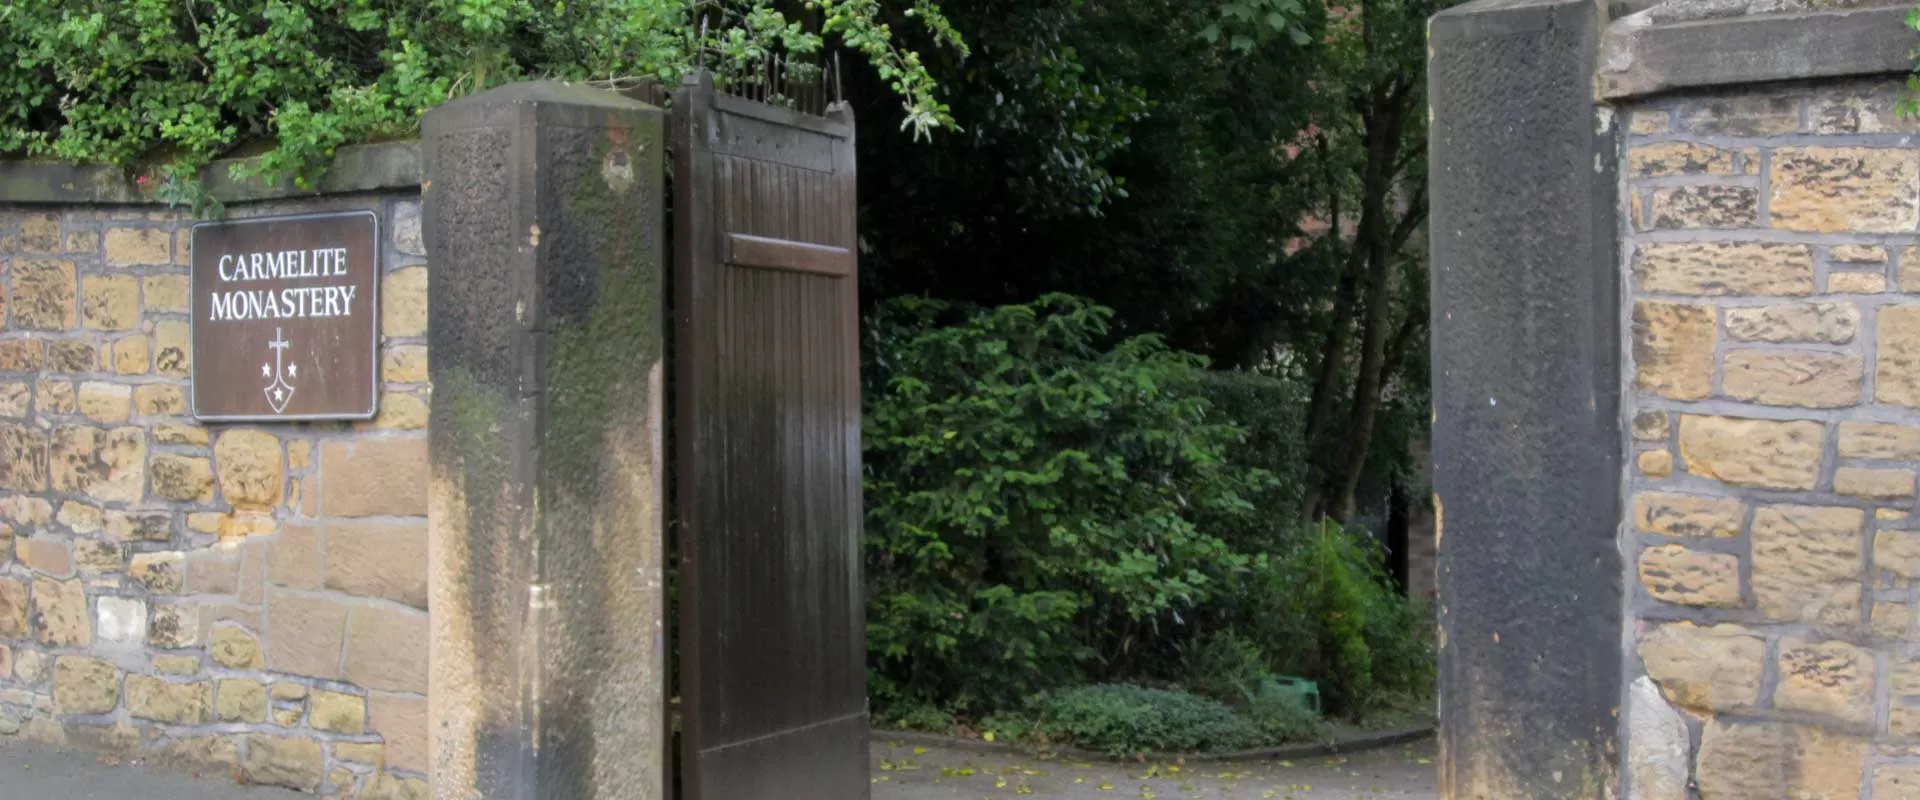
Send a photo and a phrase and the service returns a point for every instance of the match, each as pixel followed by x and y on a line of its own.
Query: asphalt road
pixel 900 772
pixel 903 772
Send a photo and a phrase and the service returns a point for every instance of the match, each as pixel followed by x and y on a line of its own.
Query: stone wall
pixel 1773 435
pixel 249 599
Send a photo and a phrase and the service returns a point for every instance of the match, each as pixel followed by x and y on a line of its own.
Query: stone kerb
pixel 242 598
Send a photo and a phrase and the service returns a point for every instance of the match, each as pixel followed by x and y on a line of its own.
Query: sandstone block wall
pixel 250 599
pixel 1773 425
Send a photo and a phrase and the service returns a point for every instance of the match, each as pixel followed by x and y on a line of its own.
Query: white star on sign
pixel 266 371
pixel 293 370
pixel 277 394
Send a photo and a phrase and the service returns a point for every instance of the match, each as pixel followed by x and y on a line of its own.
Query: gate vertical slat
pixel 767 452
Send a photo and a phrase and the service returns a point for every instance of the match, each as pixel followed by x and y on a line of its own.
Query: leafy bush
pixel 1226 667
pixel 186 81
pixel 1270 412
pixel 1032 491
pixel 1331 613
pixel 1122 719
pixel 1281 718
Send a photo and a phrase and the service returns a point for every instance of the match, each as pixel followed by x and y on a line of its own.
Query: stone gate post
pixel 543 210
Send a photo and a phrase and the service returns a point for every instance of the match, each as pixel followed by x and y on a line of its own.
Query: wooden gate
pixel 767 451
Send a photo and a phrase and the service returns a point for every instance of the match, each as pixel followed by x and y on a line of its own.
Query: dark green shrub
pixel 1281 718
pixel 1270 413
pixel 1226 667
pixel 1032 489
pixel 1329 612
pixel 1122 719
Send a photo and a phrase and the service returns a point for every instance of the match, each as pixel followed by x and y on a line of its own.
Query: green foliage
pixel 1122 719
pixel 180 82
pixel 1269 411
pixel 1332 614
pixel 1226 667
pixel 1280 716
pixel 1032 490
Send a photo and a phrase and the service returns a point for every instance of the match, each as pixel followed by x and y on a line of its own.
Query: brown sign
pixel 286 318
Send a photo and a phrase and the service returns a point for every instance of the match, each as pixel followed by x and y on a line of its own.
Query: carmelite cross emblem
pixel 279 392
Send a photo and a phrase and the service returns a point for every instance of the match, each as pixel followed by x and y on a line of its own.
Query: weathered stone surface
pixel 44 296
pixel 378 560
pixel 30 666
pixel 1643 123
pixel 23 459
pixel 335 712
pixel 1756 114
pixel 233 647
pixel 1811 380
pixel 54 396
pixel 250 468
pixel 289 692
pixel 1724 268
pixel 404 364
pixel 1897 367
pixel 109 466
pixel 1806 563
pixel 16 399
pixel 121 620
pixel 84 685
pixel 402 722
pixel 241 701
pixel 160 573
pixel 138 247
pixel 403 303
pixel 1673 349
pixel 383 786
pixel 374 477
pixel 285 761
pixel 94 556
pixel 110 302
pixel 68 355
pixel 1743 760
pixel 80 517
pixel 1658 745
pixel 174 627
pixel 1879 440
pixel 46 556
pixel 106 402
pixel 1675 574
pixel 1856 283
pixel 1896 780
pixel 59 617
pixel 1818 323
pixel 306 635
pixel 293 558
pixel 176 665
pixel 1752 452
pixel 22 355
pixel 1845 189
pixel 357 752
pixel 1832 679
pixel 1706 669
pixel 1873 483
pixel 1859 107
pixel 1857 254
pixel 213 754
pixel 387 650
pixel 1654 463
pixel 1897 552
pixel 400 411
pixel 1668 159
pixel 1888 621
pixel 184 479
pixel 40 233
pixel 139 526
pixel 1651 426
pixel 163 701
pixel 407 237
pixel 168 293
pixel 173 349
pixel 174 433
pixel 160 399
pixel 13 608
pixel 1705 207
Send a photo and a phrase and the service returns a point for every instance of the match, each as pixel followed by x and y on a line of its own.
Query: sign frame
pixel 193 320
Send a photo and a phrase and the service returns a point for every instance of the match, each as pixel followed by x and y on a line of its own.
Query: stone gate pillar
pixel 543 214
pixel 1676 298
